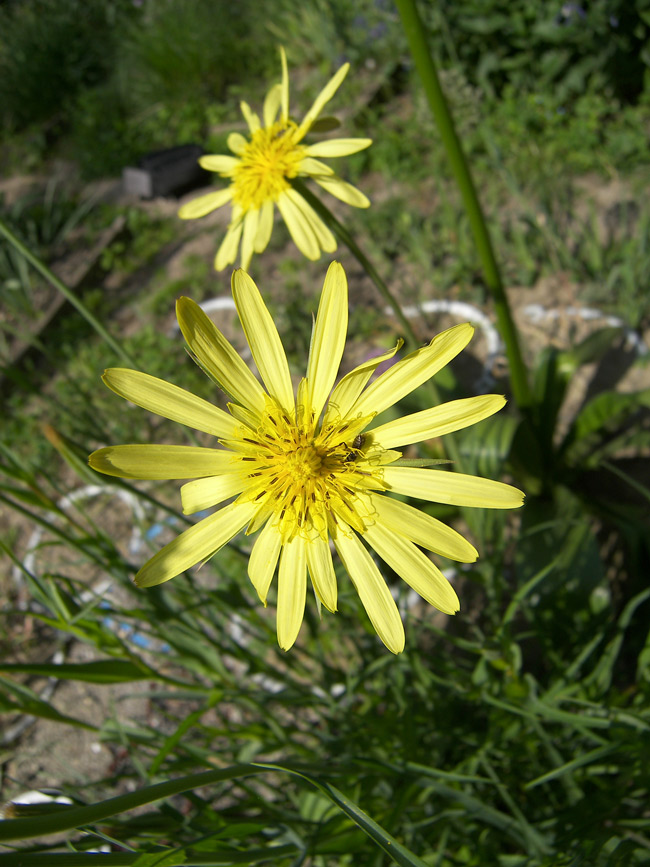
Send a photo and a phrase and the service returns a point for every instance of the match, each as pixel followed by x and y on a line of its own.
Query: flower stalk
pixel 425 66
pixel 348 239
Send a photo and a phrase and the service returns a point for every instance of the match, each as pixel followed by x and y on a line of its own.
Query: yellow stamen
pixel 300 476
pixel 267 162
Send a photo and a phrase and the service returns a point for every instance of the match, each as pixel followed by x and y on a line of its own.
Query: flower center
pixel 304 477
pixel 265 164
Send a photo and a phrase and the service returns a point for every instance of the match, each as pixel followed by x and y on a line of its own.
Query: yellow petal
pixel 205 493
pixel 218 163
pixel 321 100
pixel 169 401
pixel 205 204
pixel 437 421
pixel 343 191
pixel 227 252
pixel 264 227
pixel 263 339
pixel 285 86
pixel 292 588
pixel 217 356
pixel 371 587
pixel 414 567
pixel 272 104
pixel 328 338
pixel 299 228
pixel 321 571
pixel 236 142
pixel 423 529
pixel 250 419
pixel 405 376
pixel 250 117
pixel 264 559
pixel 454 489
pixel 248 237
pixel 160 462
pixel 324 238
pixel 195 544
pixel 338 147
pixel 352 384
pixel 311 167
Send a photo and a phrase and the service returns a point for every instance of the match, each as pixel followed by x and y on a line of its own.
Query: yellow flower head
pixel 260 176
pixel 308 467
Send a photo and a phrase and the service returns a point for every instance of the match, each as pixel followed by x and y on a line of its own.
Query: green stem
pixel 67 293
pixel 416 37
pixel 343 235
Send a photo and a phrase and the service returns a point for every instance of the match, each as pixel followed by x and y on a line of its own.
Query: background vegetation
pixel 517 733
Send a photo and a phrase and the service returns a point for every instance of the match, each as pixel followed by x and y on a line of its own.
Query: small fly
pixel 357 443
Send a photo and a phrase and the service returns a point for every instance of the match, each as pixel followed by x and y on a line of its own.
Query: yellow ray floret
pixel 303 469
pixel 262 169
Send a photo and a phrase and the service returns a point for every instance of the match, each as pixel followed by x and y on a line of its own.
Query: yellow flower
pixel 306 468
pixel 260 176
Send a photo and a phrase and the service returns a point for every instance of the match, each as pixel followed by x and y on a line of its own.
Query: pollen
pixel 266 164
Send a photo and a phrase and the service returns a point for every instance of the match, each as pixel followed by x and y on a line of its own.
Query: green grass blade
pixel 400 854
pixel 68 294
pixel 417 40
pixel 131 859
pixel 27 702
pixel 75 817
pixel 568 767
pixel 100 671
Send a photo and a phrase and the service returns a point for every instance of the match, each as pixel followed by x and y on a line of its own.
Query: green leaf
pixel 76 817
pixel 28 702
pixel 485 446
pixel 101 671
pixel 558 531
pixel 326 123
pixel 605 412
pixel 549 387
pixel 74 455
pixel 590 349
pixel 572 765
pixel 601 676
pixel 400 854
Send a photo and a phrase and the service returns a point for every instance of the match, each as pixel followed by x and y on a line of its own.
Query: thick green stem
pixel 416 37
pixel 51 278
